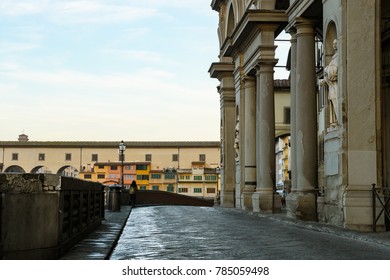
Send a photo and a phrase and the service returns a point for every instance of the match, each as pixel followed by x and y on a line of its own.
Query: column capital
pixel 264 65
pixel 304 26
pixel 248 81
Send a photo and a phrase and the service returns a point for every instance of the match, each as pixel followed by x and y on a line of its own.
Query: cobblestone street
pixel 216 233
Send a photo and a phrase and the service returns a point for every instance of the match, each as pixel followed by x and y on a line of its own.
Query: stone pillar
pixel 228 122
pixel 263 199
pixel 302 200
pixel 293 110
pixel 250 143
pixel 224 72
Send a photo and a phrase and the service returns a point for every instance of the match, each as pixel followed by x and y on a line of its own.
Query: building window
pixel 142 167
pixel 142 177
pixel 15 156
pixel 87 176
pixel 129 167
pixel 114 167
pixel 211 178
pixel 94 157
pixel 41 157
pixel 286 115
pixel 101 176
pixel 170 188
pixel 101 166
pixel 198 178
pixel 68 157
pixel 197 190
pixel 129 177
pixel 183 190
pixel 156 176
pixel 210 190
pixel 142 188
pixel 202 157
pixel 155 188
pixel 169 176
pixel 148 157
pixel 175 157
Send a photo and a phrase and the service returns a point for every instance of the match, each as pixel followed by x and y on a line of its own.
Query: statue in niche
pixel 237 139
pixel 330 82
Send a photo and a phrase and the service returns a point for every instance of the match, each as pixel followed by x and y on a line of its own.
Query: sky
pixel 109 70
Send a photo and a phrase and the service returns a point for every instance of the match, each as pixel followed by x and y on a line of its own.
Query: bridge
pixel 72 157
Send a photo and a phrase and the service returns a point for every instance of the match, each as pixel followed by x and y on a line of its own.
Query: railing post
pixel 373 208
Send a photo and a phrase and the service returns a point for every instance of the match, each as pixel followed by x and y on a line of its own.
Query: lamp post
pixel 122 149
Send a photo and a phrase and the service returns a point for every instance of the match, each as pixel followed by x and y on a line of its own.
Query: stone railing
pixel 44 215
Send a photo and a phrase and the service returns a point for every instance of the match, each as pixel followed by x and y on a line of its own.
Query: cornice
pixel 215 4
pixel 220 69
pixel 105 144
pixel 253 21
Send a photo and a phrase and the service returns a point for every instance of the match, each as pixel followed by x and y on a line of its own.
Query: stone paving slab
pixel 99 244
pixel 205 233
pixel 181 232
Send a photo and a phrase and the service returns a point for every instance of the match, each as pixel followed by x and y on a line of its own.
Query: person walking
pixel 133 192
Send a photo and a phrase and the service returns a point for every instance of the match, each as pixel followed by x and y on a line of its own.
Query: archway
pixel 14 169
pixel 40 169
pixel 230 22
pixel 68 171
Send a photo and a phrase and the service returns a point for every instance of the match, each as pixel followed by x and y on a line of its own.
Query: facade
pixel 153 165
pixel 339 79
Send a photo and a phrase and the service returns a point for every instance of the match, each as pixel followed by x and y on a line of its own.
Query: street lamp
pixel 122 149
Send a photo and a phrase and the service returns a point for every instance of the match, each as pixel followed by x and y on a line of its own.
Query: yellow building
pixel 199 181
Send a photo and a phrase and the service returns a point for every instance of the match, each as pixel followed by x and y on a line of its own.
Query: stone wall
pixel 42 215
pixel 165 198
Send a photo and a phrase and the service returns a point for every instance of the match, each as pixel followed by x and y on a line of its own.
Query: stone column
pixel 250 142
pixel 228 122
pixel 263 199
pixel 293 157
pixel 302 201
pixel 224 73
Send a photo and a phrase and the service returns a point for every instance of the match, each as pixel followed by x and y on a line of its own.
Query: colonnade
pixel 259 138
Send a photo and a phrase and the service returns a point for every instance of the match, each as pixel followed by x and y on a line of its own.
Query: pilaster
pixel 224 73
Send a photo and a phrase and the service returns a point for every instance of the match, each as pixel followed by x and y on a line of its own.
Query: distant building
pixel 153 165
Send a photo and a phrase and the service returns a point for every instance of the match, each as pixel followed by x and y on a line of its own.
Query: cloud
pixel 145 56
pixel 7 47
pixel 77 12
pixel 19 8
pixel 98 12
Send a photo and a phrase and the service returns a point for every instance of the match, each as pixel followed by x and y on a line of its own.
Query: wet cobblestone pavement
pixel 215 233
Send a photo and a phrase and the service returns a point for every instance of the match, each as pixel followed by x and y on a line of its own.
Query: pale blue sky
pixel 108 70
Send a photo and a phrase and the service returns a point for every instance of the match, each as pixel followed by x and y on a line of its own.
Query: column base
pixel 266 201
pixel 302 205
pixel 227 198
pixel 246 199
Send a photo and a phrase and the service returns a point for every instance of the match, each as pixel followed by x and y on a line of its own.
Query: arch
pixel 331 35
pixel 230 22
pixel 68 171
pixel 111 182
pixel 14 169
pixel 40 169
pixel 282 134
